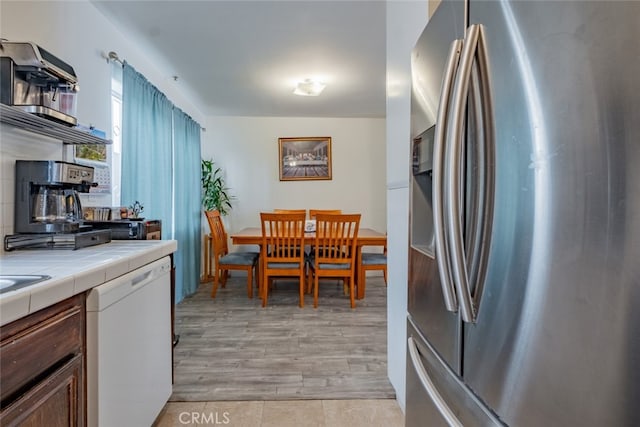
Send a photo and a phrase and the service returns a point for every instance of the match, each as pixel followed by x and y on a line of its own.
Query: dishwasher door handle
pixel 142 278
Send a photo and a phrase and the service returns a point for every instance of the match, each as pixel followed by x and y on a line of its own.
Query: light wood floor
pixel 231 349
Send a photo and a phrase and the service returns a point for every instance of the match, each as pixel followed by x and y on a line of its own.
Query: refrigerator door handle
pixel 486 167
pixel 441 241
pixel 430 388
pixel 453 158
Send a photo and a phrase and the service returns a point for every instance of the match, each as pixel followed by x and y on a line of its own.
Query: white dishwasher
pixel 129 347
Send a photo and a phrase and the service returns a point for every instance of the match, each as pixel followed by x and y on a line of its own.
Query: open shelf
pixel 30 122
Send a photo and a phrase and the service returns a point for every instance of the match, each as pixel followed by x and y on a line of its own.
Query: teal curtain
pixel 146 148
pixel 161 170
pixel 186 143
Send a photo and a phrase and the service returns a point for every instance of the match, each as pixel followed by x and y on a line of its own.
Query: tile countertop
pixel 72 271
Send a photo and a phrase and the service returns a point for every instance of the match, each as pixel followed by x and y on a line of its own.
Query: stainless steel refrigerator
pixel 524 271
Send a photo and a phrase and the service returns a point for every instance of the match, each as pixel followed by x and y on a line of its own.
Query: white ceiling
pixel 243 58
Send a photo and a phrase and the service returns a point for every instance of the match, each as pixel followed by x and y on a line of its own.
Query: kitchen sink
pixel 18 281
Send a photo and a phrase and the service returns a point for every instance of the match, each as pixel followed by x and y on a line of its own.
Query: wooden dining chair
pixel 224 261
pixel 368 262
pixel 314 212
pixel 312 215
pixel 282 238
pixel 291 211
pixel 335 248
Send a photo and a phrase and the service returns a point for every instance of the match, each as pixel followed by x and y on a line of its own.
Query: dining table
pixel 366 237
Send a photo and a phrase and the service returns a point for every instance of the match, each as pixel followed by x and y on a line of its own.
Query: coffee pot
pixel 56 205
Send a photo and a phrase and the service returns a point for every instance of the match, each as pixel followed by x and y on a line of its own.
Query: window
pixel 116 132
pixel 97 153
pixel 105 159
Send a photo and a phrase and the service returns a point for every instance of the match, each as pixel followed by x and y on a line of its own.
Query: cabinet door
pixel 30 347
pixel 42 367
pixel 55 401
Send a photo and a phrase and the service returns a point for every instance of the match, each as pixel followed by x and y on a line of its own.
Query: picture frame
pixel 305 158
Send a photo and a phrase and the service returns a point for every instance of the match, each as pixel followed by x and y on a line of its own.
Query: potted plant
pixel 215 194
pixel 136 209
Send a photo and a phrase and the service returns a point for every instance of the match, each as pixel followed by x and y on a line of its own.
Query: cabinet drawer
pixel 54 401
pixel 32 347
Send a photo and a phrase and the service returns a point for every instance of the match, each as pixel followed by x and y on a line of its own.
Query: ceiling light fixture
pixel 309 87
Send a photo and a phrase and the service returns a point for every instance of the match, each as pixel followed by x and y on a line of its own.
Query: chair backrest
pixel 218 233
pixel 336 238
pixel 314 212
pixel 291 211
pixel 282 236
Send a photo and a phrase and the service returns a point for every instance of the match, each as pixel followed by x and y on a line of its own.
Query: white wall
pixel 405 22
pixel 78 34
pixel 247 150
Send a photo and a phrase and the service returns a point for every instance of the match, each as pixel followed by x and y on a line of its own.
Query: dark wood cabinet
pixel 54 401
pixel 42 367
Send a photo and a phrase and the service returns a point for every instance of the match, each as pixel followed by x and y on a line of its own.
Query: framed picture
pixel 305 158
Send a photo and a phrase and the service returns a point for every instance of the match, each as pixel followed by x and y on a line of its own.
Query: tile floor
pixel 284 413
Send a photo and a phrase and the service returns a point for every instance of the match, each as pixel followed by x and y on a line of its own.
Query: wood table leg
pixel 207 275
pixel 360 289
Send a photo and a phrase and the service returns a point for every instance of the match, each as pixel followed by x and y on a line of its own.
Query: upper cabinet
pixel 68 135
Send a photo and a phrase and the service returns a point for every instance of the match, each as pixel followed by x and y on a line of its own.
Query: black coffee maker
pixel 47 199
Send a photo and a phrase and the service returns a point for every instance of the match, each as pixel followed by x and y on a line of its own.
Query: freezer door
pixel 557 337
pixel 435 394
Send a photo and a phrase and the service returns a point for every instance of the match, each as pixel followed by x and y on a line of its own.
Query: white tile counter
pixel 72 271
